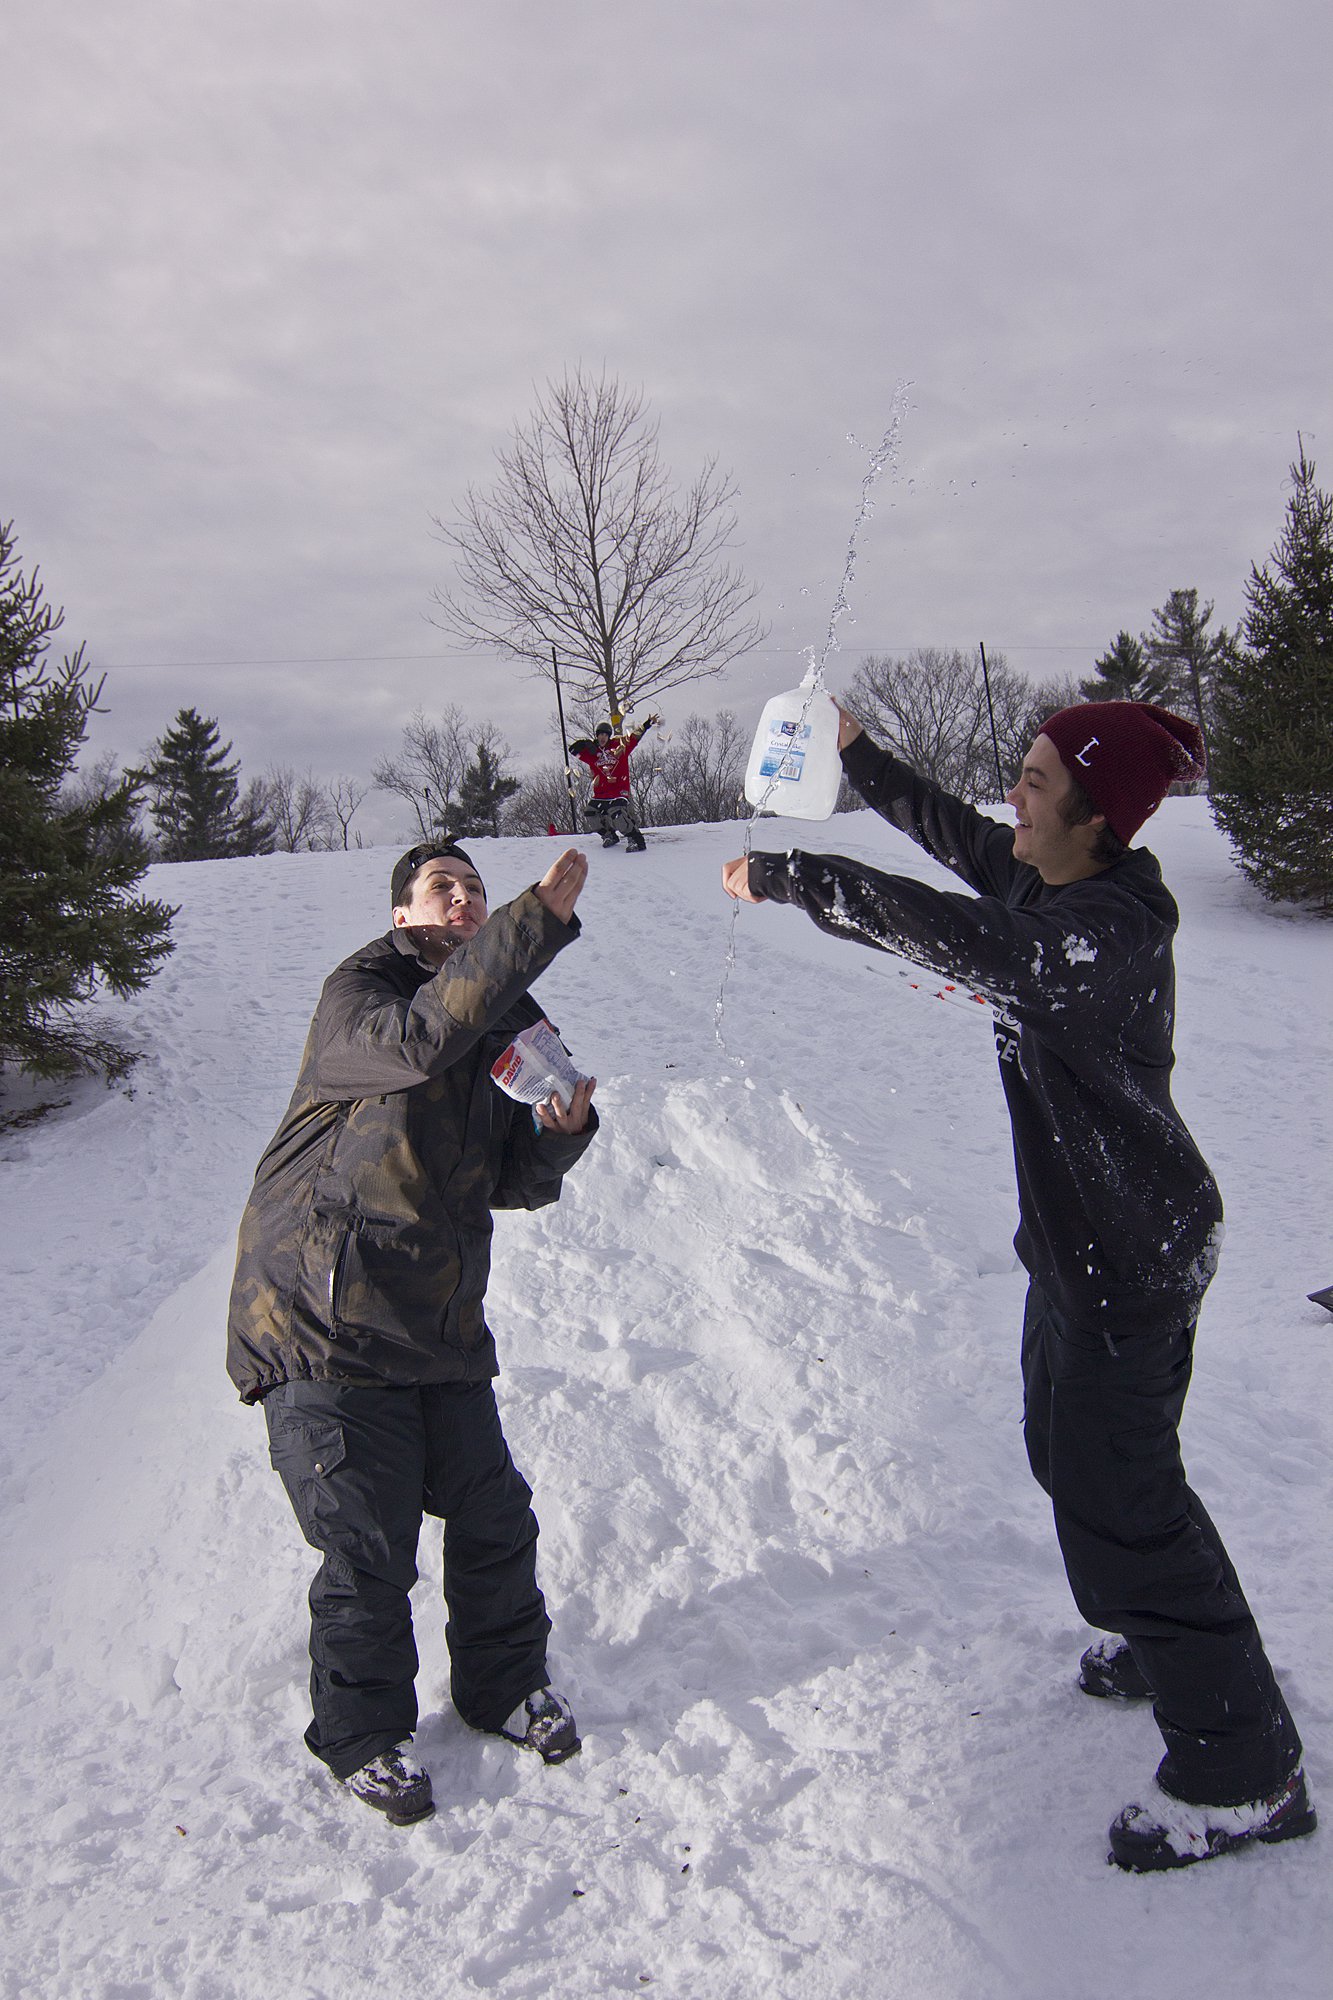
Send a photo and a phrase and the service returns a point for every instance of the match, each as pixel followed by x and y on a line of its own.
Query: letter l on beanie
pixel 1125 755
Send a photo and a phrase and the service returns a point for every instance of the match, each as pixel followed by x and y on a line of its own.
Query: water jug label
pixel 783 755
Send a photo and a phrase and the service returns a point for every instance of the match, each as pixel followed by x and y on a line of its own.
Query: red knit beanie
pixel 1125 755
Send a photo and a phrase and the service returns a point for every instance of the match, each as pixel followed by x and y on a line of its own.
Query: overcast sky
pixel 277 277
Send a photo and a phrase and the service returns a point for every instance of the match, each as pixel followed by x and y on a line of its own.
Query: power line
pixel 313 660
pixel 404 659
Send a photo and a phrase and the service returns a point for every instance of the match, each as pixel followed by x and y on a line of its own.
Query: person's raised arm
pixel 372 1037
pixel 1041 962
pixel 977 849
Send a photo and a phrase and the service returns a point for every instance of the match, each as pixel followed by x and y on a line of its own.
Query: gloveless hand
pixel 559 887
pixel 554 1116
pixel 736 880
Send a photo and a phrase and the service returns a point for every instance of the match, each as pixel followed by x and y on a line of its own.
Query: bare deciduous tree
pixel 931 708
pixel 297 808
pixel 90 787
pixel 1021 706
pixel 584 543
pixel 430 767
pixel 699 775
pixel 344 796
pixel 542 802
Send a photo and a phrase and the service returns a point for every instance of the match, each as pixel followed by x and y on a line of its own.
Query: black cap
pixel 416 857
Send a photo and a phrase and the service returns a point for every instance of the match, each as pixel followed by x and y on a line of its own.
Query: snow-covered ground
pixel 760 1366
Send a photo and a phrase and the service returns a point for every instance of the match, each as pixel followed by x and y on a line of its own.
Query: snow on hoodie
pixel 1119 1216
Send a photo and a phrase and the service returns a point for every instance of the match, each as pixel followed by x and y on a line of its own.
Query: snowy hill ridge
pixel 760 1366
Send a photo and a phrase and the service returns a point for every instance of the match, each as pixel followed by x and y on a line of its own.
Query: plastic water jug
pixel 794 766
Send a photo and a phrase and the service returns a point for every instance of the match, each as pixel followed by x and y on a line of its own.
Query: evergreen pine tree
pixel 482 791
pixel 1186 657
pixel 1272 784
pixel 68 859
pixel 1125 673
pixel 195 795
pixel 92 783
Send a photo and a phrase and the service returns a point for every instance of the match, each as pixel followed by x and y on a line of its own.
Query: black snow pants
pixel 1143 1558
pixel 361 1464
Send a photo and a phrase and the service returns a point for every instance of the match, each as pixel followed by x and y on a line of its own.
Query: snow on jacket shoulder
pixel 365 1245
pixel 1119 1215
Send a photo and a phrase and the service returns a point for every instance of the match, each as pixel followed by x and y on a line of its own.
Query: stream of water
pixel 884 454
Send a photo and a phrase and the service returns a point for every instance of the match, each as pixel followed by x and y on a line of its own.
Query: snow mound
pixel 759 1365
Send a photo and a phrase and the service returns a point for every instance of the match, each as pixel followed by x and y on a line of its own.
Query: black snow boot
pixel 1171 1833
pixel 395 1784
pixel 544 1723
pixel 609 838
pixel 635 842
pixel 1108 1671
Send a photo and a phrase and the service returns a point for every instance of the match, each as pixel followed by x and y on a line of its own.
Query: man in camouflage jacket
pixel 358 1314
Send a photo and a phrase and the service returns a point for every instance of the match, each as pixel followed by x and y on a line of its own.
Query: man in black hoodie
pixel 1069 935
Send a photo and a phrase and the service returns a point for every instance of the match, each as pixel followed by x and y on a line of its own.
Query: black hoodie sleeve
pixel 1059 961
pixel 976 848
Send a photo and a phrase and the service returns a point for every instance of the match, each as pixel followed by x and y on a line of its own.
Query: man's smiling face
pixel 1043 837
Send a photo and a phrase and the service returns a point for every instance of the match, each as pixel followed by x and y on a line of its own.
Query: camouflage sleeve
pixel 536 1162
pixel 370 1038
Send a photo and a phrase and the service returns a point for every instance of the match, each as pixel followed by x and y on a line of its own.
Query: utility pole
pixel 990 710
pixel 564 746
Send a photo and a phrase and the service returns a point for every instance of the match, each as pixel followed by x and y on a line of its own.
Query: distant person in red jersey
pixel 607 757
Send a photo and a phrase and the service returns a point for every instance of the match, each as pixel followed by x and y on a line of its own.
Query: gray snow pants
pixel 361 1464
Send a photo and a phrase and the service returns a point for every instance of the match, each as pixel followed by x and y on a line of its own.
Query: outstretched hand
pixel 558 890
pixel 736 880
pixel 555 1116
pixel 848 726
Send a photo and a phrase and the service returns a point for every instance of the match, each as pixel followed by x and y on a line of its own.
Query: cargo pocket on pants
pixel 305 1451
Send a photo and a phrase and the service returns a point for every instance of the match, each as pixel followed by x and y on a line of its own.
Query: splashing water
pixel 884 453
